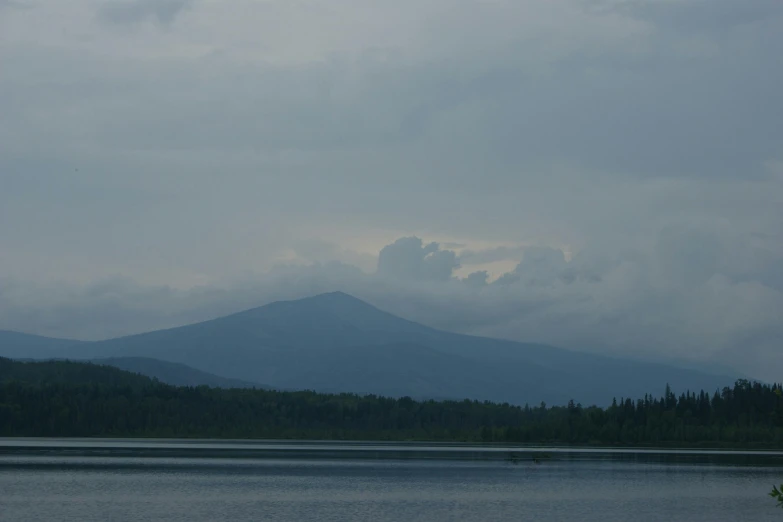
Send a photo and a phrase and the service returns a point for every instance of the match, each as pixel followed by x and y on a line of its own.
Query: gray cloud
pixel 201 162
pixel 451 245
pixel 640 302
pixel 540 266
pixel 13 4
pixel 702 15
pixel 408 258
pixel 314 250
pixel 135 11
pixel 491 255
pixel 477 279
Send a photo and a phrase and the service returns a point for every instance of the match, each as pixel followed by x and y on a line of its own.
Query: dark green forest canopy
pixel 80 399
pixel 67 372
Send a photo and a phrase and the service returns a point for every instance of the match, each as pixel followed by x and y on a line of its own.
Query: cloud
pixel 702 15
pixel 540 266
pixel 452 245
pixel 409 259
pixel 274 149
pixel 716 301
pixel 314 250
pixel 477 279
pixel 134 11
pixel 13 4
pixel 491 255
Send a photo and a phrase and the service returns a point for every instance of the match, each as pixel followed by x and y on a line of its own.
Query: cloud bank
pixel 136 11
pixel 602 175
pixel 691 295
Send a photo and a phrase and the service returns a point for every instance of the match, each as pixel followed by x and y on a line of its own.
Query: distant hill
pixel 335 342
pixel 175 374
pixel 25 347
pixel 15 345
pixel 67 372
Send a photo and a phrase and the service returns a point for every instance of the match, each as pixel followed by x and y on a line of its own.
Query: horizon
pixel 717 370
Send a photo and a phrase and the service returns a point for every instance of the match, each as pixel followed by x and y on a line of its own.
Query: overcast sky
pixel 615 166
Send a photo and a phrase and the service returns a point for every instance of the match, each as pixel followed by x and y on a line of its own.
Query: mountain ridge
pixel 175 374
pixel 335 341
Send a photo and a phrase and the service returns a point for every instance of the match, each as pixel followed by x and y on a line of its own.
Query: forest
pixel 65 399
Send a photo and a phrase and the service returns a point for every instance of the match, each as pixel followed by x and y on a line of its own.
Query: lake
pixel 195 481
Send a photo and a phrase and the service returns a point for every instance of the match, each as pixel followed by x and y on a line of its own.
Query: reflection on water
pixel 50 483
pixel 368 450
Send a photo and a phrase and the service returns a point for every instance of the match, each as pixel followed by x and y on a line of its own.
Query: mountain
pixel 27 347
pixel 175 374
pixel 335 342
pixel 66 372
pixel 15 345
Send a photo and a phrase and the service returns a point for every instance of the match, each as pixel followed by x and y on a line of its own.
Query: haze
pixel 600 175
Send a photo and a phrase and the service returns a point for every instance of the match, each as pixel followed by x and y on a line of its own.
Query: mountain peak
pixel 336 296
pixel 339 308
pixel 317 319
pixel 334 341
pixel 332 302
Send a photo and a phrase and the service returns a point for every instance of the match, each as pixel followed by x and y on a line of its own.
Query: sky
pixel 602 175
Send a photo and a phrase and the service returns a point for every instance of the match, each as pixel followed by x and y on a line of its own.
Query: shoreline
pixel 368 450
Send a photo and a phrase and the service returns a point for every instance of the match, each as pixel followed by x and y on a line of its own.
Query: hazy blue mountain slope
pixel 172 373
pixel 597 377
pixel 334 342
pixel 17 345
pixel 409 369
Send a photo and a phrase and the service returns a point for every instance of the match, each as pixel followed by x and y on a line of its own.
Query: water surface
pixel 105 481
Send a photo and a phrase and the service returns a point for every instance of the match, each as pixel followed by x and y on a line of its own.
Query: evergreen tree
pixel 82 399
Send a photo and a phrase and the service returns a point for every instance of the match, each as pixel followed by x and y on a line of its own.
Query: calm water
pixel 96 481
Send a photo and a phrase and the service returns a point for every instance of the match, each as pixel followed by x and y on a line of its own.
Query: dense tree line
pixel 80 399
